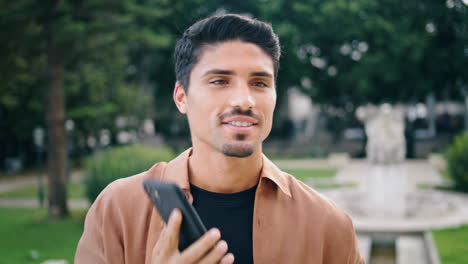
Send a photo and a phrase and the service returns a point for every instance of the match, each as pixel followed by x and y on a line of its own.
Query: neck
pixel 213 171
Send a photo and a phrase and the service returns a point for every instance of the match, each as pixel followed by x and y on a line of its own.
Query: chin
pixel 238 150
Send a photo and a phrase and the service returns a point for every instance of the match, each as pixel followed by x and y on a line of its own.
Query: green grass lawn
pixel 24 231
pixel 302 174
pixel 452 245
pixel 76 190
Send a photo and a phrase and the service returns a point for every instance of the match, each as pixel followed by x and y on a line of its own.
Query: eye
pixel 260 84
pixel 218 82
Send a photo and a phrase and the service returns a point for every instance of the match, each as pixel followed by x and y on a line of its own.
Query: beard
pixel 238 150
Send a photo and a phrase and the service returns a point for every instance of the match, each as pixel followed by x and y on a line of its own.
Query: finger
pixel 173 229
pixel 216 254
pixel 159 249
pixel 200 247
pixel 228 259
pixel 165 244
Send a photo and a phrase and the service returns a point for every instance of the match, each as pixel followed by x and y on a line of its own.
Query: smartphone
pixel 168 196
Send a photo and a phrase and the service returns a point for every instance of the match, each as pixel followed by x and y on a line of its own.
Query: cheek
pixel 270 106
pixel 200 112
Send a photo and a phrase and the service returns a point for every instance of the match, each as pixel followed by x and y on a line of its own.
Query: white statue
pixel 385 137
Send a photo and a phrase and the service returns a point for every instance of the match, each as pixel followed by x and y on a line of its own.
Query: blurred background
pixel 86 97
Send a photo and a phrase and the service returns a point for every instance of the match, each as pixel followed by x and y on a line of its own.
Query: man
pixel 226 67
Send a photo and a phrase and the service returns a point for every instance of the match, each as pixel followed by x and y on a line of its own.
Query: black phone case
pixel 168 196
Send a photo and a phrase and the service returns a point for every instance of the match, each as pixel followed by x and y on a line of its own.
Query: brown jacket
pixel 292 222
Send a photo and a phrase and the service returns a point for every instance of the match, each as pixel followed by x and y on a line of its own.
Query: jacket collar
pixel 177 171
pixel 272 172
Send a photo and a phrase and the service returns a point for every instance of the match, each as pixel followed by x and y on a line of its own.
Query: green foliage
pixel 452 245
pixel 97 41
pixel 40 239
pixel 457 161
pixel 354 52
pixel 119 162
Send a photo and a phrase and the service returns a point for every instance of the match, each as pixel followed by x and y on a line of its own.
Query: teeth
pixel 239 123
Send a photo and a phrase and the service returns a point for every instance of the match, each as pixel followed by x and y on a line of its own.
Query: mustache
pixel 237 112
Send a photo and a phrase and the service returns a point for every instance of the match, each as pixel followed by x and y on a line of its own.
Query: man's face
pixel 231 98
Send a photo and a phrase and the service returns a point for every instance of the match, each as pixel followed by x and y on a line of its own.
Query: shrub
pixel 457 161
pixel 106 166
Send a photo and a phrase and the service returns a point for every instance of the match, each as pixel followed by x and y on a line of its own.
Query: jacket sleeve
pixel 101 239
pixel 354 256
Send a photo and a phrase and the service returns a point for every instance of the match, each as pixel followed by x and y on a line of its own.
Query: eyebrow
pixel 220 72
pixel 261 74
pixel 227 72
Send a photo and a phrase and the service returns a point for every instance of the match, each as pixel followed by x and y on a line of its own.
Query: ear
pixel 180 98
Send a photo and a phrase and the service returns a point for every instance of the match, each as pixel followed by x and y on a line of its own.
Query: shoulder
pixel 317 205
pixel 306 196
pixel 335 225
pixel 325 218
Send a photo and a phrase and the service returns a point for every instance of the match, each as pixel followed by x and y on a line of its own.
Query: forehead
pixel 237 56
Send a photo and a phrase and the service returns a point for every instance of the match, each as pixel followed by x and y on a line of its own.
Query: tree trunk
pixel 56 141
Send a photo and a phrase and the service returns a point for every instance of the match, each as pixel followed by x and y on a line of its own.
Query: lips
pixel 241 121
pixel 240 124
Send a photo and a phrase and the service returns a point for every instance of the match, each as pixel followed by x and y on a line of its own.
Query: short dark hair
pixel 221 28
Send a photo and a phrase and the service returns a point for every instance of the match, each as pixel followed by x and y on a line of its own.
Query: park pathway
pixel 16 183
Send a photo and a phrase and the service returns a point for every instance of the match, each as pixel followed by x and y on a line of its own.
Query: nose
pixel 241 97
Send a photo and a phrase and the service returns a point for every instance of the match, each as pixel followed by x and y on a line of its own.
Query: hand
pixel 208 249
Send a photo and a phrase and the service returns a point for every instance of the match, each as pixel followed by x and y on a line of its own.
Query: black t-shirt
pixel 232 214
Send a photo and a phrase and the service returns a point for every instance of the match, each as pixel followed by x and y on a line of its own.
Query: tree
pixel 354 52
pixel 85 48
